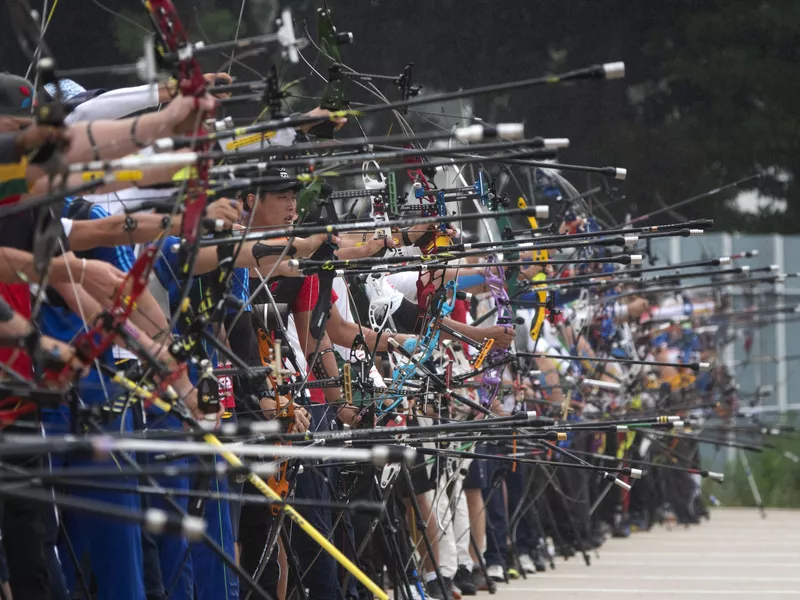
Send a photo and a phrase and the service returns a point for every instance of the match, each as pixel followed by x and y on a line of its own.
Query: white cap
pixel 163 145
pixel 620 173
pixel 512 131
pixel 542 211
pixel 155 520
pixel 622 484
pixel 193 528
pixel 473 133
pixel 636 259
pixel 716 476
pixel 614 70
pixel 724 260
pixel 630 240
pixel 636 473
pixel 556 142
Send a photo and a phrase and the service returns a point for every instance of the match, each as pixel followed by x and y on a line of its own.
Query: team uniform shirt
pixel 167 269
pixel 299 300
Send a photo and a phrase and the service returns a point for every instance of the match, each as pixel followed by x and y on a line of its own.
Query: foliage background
pixel 711 92
pixel 777 477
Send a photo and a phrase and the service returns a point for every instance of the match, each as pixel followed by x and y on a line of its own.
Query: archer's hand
pixel 347 414
pixel 101 280
pixel 213 79
pixel 62 353
pixel 377 244
pixel 305 247
pixel 36 136
pixel 301 419
pixel 226 210
pixel 183 114
pixel 503 335
pixel 324 115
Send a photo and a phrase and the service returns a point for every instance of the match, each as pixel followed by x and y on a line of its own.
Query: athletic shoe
pixel 526 564
pixel 496 573
pixel 464 582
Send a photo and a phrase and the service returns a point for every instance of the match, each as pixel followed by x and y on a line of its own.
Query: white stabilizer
pixel 621 484
pixel 224 124
pixel 260 427
pixel 724 261
pixel 620 173
pixel 155 520
pixel 531 415
pixel 621 428
pixel 162 145
pixel 542 211
pixel 598 383
pixel 673 418
pixel 695 232
pixel 193 528
pixel 636 473
pixel 473 133
pixel 556 142
pixel 678 424
pixel 774 268
pixel 614 70
pixel 630 240
pixel 704 367
pixel 636 259
pixel 716 476
pixel 511 131
pixel 137 162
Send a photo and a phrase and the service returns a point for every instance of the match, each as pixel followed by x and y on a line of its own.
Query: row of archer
pixel 169 368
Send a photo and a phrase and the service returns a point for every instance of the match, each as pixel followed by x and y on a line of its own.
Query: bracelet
pixel 83 271
pixel 134 125
pixel 95 149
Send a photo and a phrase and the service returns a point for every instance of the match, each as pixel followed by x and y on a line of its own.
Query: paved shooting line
pixel 736 554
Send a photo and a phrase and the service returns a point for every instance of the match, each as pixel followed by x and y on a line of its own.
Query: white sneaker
pixel 496 572
pixel 526 564
pixel 400 595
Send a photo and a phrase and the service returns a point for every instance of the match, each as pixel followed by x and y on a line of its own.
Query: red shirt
pixel 18 297
pixel 305 301
pixel 460 311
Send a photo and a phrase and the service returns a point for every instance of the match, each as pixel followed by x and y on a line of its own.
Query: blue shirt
pixel 169 274
pixel 61 323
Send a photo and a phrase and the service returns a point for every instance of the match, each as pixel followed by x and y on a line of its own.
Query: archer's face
pixel 277 209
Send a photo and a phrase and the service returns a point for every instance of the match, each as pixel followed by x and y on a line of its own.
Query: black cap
pixel 282 180
pixel 16 95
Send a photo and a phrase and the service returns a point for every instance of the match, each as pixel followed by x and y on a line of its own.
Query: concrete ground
pixel 734 555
